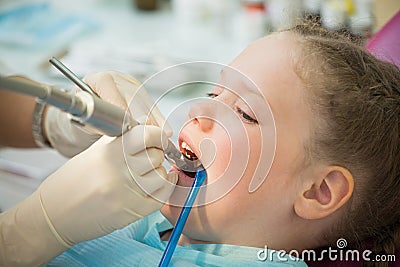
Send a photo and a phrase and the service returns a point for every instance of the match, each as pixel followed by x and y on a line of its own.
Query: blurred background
pixel 142 37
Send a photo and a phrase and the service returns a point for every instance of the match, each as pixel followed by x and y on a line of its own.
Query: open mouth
pixel 188 153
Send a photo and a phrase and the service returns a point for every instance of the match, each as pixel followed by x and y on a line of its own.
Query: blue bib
pixel 139 244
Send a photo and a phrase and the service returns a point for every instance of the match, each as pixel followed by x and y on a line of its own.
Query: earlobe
pixel 330 191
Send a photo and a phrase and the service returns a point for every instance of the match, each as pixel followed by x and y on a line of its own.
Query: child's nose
pixel 202 115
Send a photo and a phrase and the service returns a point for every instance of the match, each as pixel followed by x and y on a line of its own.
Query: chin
pixel 170 212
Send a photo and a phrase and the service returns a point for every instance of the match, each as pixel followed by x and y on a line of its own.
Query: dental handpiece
pixel 172 154
pixel 87 108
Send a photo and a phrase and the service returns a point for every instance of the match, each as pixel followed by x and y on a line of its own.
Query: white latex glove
pixel 70 138
pixel 91 195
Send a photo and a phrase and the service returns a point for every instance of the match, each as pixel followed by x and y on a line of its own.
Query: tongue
pixel 190 174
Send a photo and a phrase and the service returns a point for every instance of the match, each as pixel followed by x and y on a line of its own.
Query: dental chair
pixel 385 45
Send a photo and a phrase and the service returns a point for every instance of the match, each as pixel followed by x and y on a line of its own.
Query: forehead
pixel 270 57
pixel 269 63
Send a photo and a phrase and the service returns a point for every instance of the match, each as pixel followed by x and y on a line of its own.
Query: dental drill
pixel 87 108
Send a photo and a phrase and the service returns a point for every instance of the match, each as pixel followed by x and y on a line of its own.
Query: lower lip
pixel 183 179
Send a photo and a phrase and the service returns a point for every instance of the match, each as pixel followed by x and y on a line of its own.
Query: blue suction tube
pixel 177 231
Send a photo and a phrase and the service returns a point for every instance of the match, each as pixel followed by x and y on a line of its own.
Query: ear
pixel 330 191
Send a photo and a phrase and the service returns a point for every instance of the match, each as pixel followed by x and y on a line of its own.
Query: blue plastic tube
pixel 176 233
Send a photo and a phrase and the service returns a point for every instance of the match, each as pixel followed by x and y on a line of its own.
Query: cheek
pixel 255 147
pixel 237 155
pixel 221 158
pixel 253 156
pixel 238 198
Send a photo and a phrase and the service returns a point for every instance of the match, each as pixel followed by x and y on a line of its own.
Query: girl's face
pixel 240 217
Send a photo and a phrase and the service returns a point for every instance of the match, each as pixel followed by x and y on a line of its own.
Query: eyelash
pixel 244 115
pixel 212 95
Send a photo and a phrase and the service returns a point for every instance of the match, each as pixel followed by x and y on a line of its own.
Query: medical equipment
pixel 176 232
pixel 87 108
pixel 68 73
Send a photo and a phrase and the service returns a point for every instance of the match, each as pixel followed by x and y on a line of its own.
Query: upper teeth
pixel 187 147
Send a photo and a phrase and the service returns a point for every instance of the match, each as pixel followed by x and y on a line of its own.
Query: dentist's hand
pixel 113 183
pixel 122 90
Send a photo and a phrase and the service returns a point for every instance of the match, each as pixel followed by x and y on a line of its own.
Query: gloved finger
pixel 147 120
pixel 106 140
pixel 126 84
pixel 130 89
pixel 145 161
pixel 163 193
pixel 141 105
pixel 152 181
pixel 104 85
pixel 141 137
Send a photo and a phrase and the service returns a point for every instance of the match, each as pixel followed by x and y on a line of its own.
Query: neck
pixel 183 240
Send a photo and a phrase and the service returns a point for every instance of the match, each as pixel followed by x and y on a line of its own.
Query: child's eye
pixel 245 116
pixel 212 95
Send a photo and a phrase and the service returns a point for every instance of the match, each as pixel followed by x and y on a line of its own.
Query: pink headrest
pixel 385 44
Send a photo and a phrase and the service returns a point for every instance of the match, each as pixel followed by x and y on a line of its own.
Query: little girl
pixel 335 173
